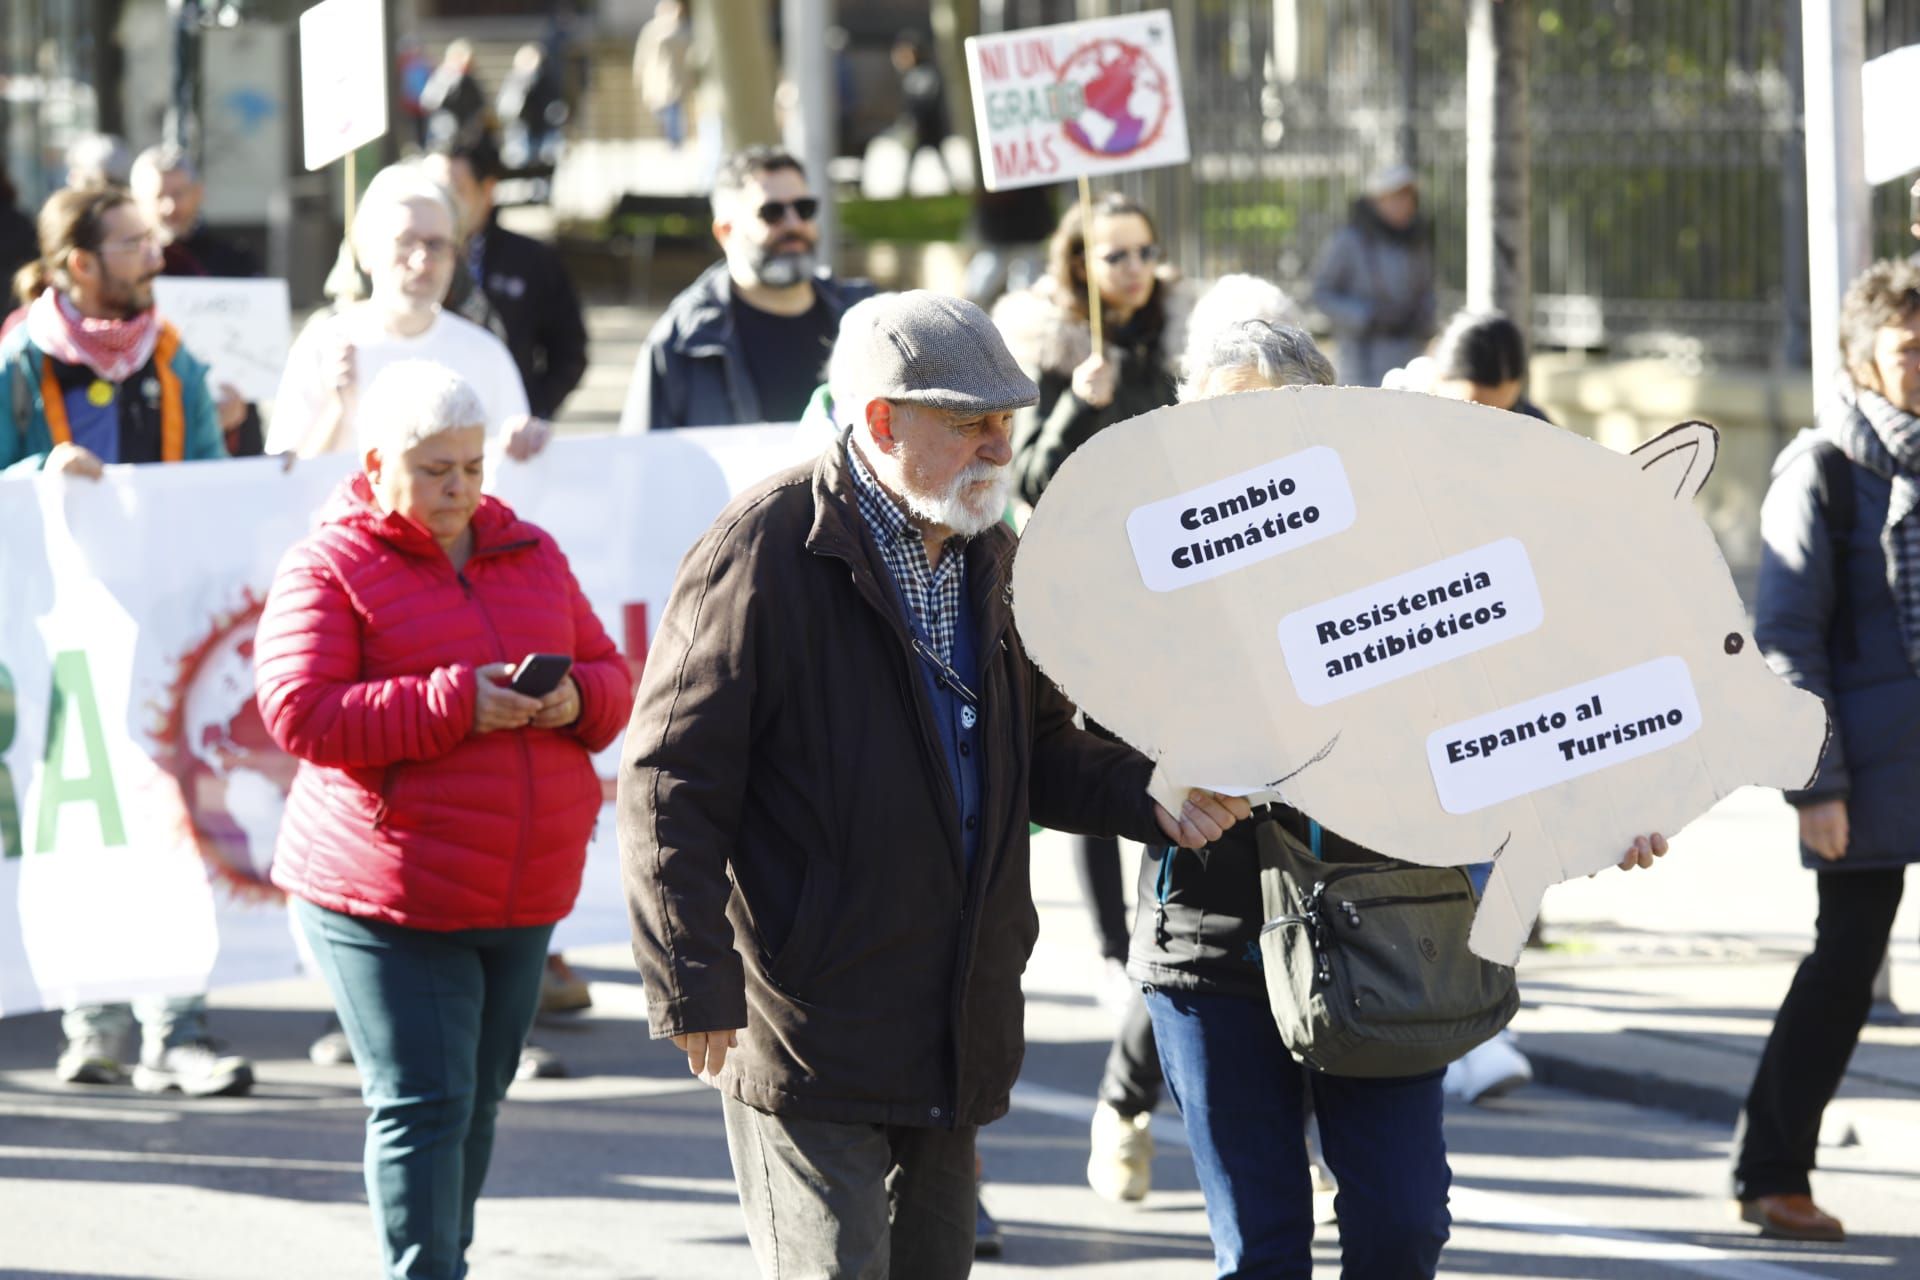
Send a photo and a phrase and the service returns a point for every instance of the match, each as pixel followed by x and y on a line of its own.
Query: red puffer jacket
pixel 365 669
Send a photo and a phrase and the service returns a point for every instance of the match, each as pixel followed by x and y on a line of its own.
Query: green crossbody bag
pixel 1367 967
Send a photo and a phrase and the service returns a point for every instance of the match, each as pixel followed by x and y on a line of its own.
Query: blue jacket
pixel 693 370
pixel 26 439
pixel 1873 695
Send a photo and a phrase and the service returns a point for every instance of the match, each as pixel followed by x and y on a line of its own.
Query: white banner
pixel 139 792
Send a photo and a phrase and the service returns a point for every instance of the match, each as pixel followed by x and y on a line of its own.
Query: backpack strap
pixel 21 385
pixel 53 404
pixel 1313 839
pixel 1833 491
pixel 173 413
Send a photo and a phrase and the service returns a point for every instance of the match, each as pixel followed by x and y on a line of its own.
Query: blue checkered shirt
pixel 933 593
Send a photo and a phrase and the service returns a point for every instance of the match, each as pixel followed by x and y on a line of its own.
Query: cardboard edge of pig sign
pixel 1449 633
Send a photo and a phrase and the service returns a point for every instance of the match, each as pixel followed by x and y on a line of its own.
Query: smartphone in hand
pixel 539 674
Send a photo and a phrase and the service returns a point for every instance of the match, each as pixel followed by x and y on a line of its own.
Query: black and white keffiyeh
pixel 1885 439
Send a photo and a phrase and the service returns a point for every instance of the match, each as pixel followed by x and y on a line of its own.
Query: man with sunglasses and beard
pixel 748 341
pixel 838 743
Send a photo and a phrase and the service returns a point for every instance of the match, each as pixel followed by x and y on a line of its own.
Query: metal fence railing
pixel 1668 171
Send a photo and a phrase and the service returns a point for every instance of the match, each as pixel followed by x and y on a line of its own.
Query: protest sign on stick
pixel 1077 101
pixel 343 83
pixel 1890 103
pixel 1449 633
pixel 242 328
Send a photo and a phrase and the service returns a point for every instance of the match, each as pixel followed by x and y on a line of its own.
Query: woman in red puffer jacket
pixel 439 821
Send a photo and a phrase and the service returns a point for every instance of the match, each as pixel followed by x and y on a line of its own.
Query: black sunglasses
pixel 1148 254
pixel 774 212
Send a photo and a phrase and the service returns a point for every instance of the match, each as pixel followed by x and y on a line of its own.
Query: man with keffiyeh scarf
pixel 1839 614
pixel 95 376
pixel 92 377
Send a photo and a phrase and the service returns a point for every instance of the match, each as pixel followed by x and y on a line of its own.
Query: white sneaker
pixel 1121 1164
pixel 1325 1189
pixel 1492 1070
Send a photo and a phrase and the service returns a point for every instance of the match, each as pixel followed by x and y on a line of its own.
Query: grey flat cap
pixel 928 348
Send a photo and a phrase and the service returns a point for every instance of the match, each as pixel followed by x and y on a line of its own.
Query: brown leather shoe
pixel 1792 1217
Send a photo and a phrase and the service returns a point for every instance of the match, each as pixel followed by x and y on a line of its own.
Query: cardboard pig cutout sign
pixel 1450 633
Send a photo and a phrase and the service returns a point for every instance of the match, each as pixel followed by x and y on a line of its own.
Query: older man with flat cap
pixel 837 746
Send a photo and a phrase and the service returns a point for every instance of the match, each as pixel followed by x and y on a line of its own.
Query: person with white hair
pixel 824 801
pixel 438 823
pixel 1375 279
pixel 404 235
pixel 97 160
pixel 1229 301
pixel 168 190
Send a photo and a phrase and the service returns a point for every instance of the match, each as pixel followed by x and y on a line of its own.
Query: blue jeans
pixel 436 1021
pixel 1240 1096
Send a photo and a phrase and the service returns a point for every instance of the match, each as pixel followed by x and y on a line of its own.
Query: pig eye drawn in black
pixel 1735 643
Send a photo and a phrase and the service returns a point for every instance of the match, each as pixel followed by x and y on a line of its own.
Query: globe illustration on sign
pixel 233 778
pixel 1126 98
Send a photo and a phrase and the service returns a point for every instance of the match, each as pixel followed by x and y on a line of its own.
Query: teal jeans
pixel 436 1021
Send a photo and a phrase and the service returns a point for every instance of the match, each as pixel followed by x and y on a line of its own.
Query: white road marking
pixel 123 1115
pixel 194 1159
pixel 1487 1209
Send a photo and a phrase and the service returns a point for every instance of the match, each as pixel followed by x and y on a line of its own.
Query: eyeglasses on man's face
pixel 434 247
pixel 139 242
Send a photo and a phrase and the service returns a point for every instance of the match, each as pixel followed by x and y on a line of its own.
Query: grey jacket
pixel 1375 285
pixel 692 372
pixel 1873 757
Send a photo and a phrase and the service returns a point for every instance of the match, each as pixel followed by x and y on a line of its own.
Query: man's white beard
pixel 967 515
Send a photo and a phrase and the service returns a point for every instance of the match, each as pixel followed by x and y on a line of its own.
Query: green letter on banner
pixel 9 800
pixel 72 698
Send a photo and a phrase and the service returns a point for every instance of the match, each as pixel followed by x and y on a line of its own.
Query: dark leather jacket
pixel 789 834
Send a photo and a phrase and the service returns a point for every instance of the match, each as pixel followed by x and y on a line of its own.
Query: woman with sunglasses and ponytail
pixel 1144 309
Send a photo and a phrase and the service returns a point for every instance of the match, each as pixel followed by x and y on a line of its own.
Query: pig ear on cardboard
pixel 1680 458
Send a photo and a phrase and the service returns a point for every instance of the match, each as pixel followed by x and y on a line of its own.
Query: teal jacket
pixel 25 438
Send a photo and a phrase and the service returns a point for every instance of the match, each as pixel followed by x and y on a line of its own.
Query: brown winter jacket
pixel 788 831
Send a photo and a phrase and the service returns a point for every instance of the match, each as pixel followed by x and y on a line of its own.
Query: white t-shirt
pixel 460 344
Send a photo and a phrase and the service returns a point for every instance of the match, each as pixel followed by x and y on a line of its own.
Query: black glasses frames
pixel 774 212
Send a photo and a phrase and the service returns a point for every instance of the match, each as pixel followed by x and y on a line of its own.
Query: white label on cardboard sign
pixel 1410 622
pixel 1241 520
pixel 1563 735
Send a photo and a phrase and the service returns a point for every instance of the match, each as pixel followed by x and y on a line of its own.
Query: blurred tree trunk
pixel 739 68
pixel 953 22
pixel 1499 199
